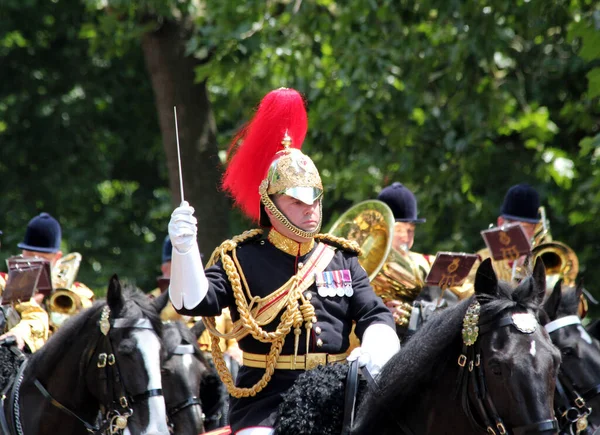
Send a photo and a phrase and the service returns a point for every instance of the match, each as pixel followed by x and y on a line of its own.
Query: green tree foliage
pixel 79 139
pixel 458 100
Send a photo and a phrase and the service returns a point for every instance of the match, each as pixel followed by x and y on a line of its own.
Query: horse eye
pixel 127 347
pixel 496 369
pixel 568 351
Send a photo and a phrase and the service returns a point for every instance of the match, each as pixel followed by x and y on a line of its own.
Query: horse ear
pixel 539 279
pixel 114 295
pixel 579 288
pixel 551 304
pixel 160 302
pixel 198 328
pixel 486 280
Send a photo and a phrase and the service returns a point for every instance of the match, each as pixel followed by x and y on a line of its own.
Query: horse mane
pixel 44 360
pixel 436 345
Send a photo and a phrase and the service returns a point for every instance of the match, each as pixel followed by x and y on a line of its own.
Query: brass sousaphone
pixel 560 260
pixel 394 275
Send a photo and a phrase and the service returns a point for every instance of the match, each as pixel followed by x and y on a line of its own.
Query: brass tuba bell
pixel 68 297
pixel 559 259
pixel 393 274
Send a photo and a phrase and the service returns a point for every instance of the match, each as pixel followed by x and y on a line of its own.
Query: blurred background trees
pixel 457 100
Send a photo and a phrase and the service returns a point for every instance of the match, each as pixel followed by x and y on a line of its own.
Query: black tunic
pixel 266 269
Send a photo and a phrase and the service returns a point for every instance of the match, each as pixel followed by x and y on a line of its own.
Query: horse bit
pixel 115 420
pixel 573 406
pixel 471 371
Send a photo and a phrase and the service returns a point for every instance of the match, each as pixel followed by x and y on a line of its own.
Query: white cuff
pixel 257 430
pixel 381 343
pixel 188 285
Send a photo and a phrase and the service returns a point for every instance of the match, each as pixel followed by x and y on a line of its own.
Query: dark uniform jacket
pixel 266 269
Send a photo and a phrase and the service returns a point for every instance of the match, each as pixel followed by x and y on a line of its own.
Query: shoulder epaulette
pixel 340 242
pixel 230 244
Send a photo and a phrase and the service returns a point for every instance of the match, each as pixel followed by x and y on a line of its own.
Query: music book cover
pixel 450 269
pixel 20 285
pixel 44 284
pixel 507 242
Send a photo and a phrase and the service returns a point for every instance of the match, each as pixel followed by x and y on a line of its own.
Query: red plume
pixel 253 148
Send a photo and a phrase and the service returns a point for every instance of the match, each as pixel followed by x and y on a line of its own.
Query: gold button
pixel 314 319
pixel 308 296
pixel 318 330
pixel 319 343
pixel 300 265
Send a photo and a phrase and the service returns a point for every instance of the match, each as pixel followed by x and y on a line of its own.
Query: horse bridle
pixel 572 406
pixel 116 409
pixel 183 349
pixel 471 373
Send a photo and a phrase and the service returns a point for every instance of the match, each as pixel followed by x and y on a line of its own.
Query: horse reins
pixel 573 407
pixel 471 373
pixel 117 409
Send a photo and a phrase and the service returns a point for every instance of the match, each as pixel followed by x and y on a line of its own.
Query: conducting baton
pixel 178 155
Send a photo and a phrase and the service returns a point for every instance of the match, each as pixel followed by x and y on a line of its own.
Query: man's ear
pixel 57 256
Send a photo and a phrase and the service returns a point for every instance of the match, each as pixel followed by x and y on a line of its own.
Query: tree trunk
pixel 172 75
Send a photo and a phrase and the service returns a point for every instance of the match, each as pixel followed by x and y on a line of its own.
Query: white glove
pixel 183 227
pixel 188 285
pixel 379 343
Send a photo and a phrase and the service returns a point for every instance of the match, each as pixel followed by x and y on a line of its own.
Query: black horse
pixel 497 379
pixel 194 394
pixel 577 396
pixel 100 373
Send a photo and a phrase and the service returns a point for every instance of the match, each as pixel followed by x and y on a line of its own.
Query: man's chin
pixel 310 227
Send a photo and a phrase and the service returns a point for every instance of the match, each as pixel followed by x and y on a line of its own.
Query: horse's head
pixel 518 363
pixel 124 369
pixel 578 390
pixel 182 373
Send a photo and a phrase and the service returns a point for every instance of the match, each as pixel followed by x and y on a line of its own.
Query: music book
pixel 20 263
pixel 20 285
pixel 450 269
pixel 507 242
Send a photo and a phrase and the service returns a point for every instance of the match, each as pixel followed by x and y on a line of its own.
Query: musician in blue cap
pixel 401 200
pixel 42 239
pixel 522 205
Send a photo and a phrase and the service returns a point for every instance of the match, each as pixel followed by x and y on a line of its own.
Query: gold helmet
pixel 292 173
pixel 265 160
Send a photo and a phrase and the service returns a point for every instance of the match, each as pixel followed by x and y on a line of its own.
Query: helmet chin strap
pixel 270 205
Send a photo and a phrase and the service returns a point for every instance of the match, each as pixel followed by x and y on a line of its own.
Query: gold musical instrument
pixel 559 259
pixel 68 297
pixel 65 270
pixel 394 275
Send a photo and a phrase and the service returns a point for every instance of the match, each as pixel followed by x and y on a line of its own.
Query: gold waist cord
pixel 294 315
